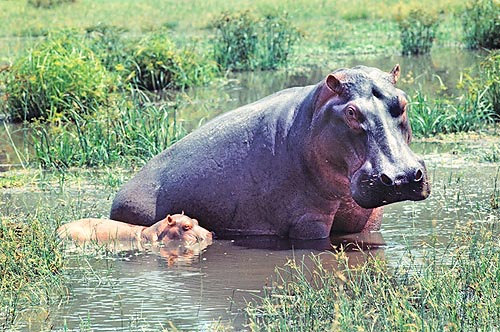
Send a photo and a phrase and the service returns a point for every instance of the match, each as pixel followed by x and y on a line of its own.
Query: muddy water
pixel 147 290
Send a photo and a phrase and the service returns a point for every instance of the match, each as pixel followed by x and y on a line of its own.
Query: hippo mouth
pixel 371 191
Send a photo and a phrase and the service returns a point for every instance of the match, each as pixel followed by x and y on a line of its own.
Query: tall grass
pixel 246 42
pixel 130 133
pixel 481 24
pixel 58 75
pixel 31 263
pixel 418 31
pixel 156 63
pixel 457 290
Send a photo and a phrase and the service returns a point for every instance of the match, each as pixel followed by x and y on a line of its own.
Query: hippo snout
pixel 371 188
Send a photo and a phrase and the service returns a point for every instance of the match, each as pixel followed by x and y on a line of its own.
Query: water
pixel 143 291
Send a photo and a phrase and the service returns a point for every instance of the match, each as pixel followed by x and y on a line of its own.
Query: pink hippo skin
pixel 177 227
pixel 302 163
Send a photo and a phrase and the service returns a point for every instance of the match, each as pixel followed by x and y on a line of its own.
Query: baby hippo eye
pixel 187 226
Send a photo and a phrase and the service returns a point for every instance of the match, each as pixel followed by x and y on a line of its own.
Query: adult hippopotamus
pixel 301 163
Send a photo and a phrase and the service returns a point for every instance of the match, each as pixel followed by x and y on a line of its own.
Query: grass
pixel 455 289
pixel 452 290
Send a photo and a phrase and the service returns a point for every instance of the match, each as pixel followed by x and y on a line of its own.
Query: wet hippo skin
pixel 177 227
pixel 301 163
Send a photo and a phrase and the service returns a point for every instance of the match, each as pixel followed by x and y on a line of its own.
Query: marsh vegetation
pixel 96 101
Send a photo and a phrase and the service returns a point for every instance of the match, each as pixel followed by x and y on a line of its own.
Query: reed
pixel 454 290
pixel 244 41
pixel 481 23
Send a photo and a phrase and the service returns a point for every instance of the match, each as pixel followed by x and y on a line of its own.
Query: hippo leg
pixel 311 226
pixel 351 218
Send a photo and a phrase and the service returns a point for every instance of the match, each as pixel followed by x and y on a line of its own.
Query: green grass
pixel 31 262
pixel 452 289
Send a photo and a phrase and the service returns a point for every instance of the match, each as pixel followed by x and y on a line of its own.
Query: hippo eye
pixel 352 117
pixel 187 227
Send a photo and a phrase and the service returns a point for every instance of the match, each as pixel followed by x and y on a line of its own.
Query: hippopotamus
pixel 174 227
pixel 302 163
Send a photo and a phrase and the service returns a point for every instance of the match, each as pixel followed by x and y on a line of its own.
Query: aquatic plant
pixel 245 42
pixel 481 24
pixel 132 131
pixel 58 75
pixel 490 78
pixel 31 263
pixel 463 114
pixel 48 3
pixel 109 46
pixel 418 31
pixel 456 290
pixel 156 63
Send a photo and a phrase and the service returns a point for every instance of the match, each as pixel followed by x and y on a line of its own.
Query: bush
pixel 48 3
pixel 481 24
pixel 490 77
pixel 467 113
pixel 156 64
pixel 59 75
pixel 108 45
pixel 418 30
pixel 244 42
pixel 484 82
pixel 132 132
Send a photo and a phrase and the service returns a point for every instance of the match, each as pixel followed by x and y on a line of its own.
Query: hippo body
pixel 301 163
pixel 177 227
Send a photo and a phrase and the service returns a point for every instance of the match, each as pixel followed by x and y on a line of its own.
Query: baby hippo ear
pixel 395 72
pixel 170 220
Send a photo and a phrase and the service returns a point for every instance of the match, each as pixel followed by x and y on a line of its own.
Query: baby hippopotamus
pixel 174 227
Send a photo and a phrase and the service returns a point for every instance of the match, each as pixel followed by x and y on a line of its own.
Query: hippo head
pixel 368 136
pixel 181 227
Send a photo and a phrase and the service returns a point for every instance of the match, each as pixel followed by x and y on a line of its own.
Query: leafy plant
pixel 108 45
pixel 244 42
pixel 418 31
pixel 134 131
pixel 467 113
pixel 48 3
pixel 481 24
pixel 156 64
pixel 59 75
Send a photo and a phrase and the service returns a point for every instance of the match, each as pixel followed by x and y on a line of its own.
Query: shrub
pixel 466 113
pixel 481 24
pixel 108 45
pixel 134 131
pixel 484 82
pixel 48 3
pixel 490 74
pixel 59 75
pixel 156 64
pixel 244 42
pixel 418 30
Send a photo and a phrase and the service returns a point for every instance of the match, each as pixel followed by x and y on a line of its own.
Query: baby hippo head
pixel 181 227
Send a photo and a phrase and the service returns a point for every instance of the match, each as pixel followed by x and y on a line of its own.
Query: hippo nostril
pixel 386 180
pixel 419 175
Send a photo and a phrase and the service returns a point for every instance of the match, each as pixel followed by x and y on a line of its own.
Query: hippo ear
pixel 333 82
pixel 395 74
